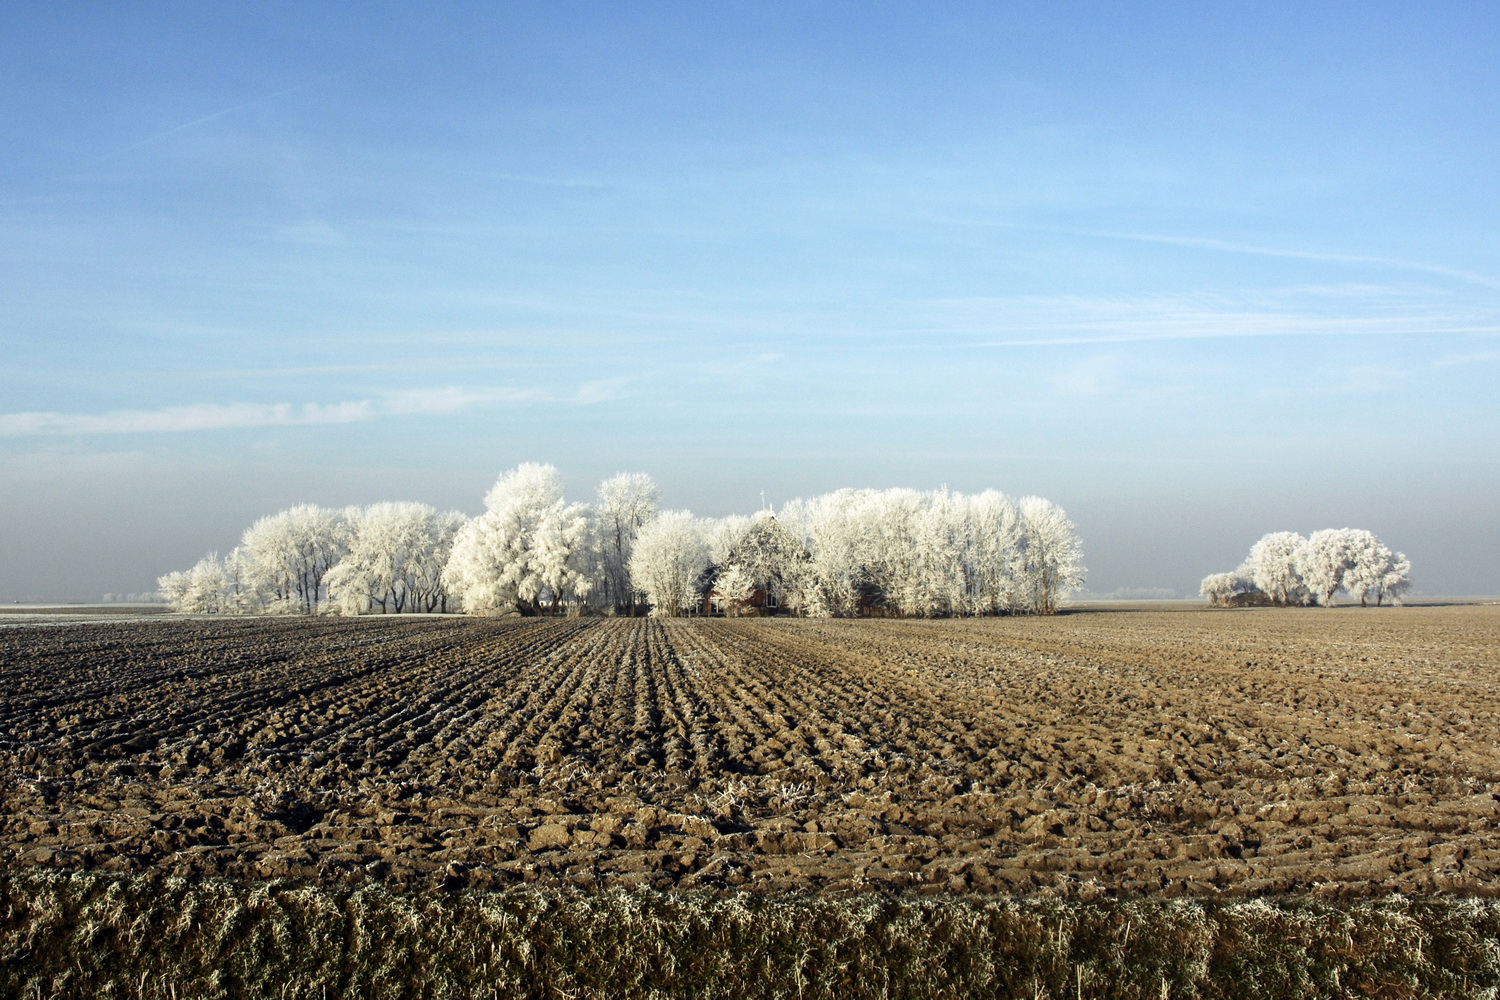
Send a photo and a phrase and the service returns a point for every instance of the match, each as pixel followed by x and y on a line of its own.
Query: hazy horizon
pixel 1193 274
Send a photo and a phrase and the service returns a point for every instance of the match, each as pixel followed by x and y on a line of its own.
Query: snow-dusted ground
pixel 12 615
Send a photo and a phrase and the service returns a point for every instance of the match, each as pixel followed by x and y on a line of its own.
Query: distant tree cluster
pixel 1286 570
pixel 388 557
pixel 853 552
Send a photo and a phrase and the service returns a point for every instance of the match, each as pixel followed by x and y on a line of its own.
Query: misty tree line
pixel 1287 570
pixel 852 552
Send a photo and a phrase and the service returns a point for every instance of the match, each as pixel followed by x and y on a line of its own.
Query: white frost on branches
pixel 1274 566
pixel 1376 573
pixel 896 552
pixel 758 562
pixel 670 557
pixel 213 586
pixel 395 560
pixel 1288 570
pixel 387 557
pixel 528 549
pixel 625 504
pixel 291 552
pixel 1224 589
pixel 1051 555
pixel 902 552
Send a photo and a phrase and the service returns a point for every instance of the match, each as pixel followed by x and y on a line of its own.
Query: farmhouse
pixel 757 576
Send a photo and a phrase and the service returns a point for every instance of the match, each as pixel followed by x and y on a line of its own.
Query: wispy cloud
pixel 227 416
pixel 1231 246
pixel 406 365
pixel 1472 358
pixel 174 419
pixel 1227 246
pixel 1066 320
pixel 1226 327
pixel 453 398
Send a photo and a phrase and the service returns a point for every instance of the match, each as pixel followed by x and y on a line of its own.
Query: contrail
pixel 233 108
pixel 1226 246
pixel 1342 258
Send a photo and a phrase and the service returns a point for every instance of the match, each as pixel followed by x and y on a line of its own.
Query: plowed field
pixel 1340 751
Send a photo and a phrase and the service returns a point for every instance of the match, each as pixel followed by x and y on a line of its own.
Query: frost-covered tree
pixel 1221 589
pixel 734 589
pixel 1375 571
pixel 1275 566
pixel 1051 555
pixel 942 555
pixel 1218 588
pixel 832 528
pixel 1395 581
pixel 670 558
pixel 626 502
pixel 897 567
pixel 970 552
pixel 213 586
pixel 291 552
pixel 1365 559
pixel 767 556
pixel 200 590
pixel 1323 562
pixel 424 572
pixel 173 588
pixel 1294 571
pixel 722 534
pixel 896 551
pixel 529 547
pixel 912 553
pixel 993 542
pixel 395 560
pixel 562 558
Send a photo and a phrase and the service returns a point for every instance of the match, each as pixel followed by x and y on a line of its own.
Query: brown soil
pixel 1347 752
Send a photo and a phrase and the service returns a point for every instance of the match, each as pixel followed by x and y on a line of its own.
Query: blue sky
pixel 1195 274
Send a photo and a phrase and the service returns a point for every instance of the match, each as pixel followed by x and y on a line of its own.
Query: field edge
pixel 81 933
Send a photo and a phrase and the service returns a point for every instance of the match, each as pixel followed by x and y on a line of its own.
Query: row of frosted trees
pixel 388 557
pixel 894 552
pixel 1288 570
